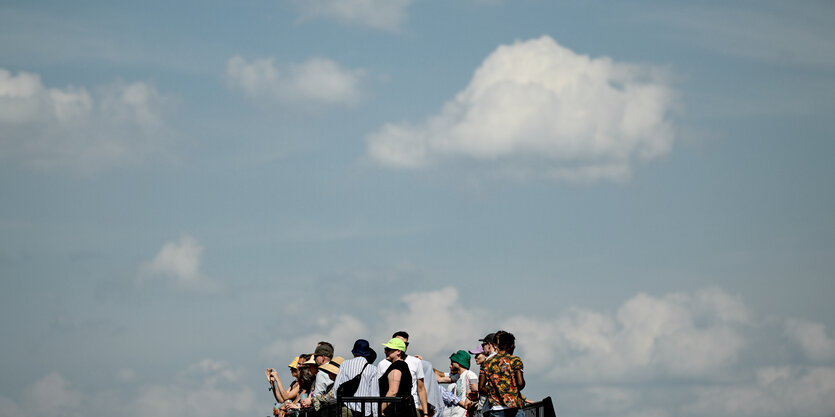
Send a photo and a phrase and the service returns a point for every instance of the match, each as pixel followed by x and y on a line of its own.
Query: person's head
pixel 480 358
pixel 331 368
pixel 311 364
pixel 402 335
pixel 323 353
pixel 459 361
pixel 294 367
pixel 395 349
pixel 505 342
pixel 306 378
pixel 488 343
pixel 323 343
pixel 361 348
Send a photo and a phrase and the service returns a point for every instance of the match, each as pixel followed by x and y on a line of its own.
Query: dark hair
pixel 328 344
pixel 505 341
pixel 402 334
pixel 303 357
pixel 372 356
pixel 306 379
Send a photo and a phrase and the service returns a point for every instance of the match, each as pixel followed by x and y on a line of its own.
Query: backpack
pixel 349 387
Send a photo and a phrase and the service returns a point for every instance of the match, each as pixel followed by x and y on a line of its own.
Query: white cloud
pixel 811 338
pixel 376 14
pixel 771 32
pixel 315 81
pixel 433 319
pixel 125 375
pixel 74 128
pixel 340 330
pixel 179 262
pixel 777 392
pixel 51 395
pixel 536 108
pixel 678 335
pixel 208 388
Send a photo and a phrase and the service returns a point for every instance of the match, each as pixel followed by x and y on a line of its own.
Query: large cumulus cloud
pixel 537 108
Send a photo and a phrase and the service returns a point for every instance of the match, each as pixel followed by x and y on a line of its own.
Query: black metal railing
pixel 366 406
pixel 401 407
pixel 544 408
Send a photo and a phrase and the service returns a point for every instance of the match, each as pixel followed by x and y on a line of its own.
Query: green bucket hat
pixel 462 358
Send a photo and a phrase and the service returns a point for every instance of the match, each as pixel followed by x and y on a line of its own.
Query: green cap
pixel 462 358
pixel 396 344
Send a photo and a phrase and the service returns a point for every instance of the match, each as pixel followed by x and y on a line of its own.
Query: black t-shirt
pixel 405 388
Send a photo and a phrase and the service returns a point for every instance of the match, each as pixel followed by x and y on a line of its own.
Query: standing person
pixel 502 379
pixel 477 410
pixel 322 355
pixel 281 395
pixel 434 396
pixel 396 381
pixel 361 365
pixel 488 344
pixel 416 370
pixel 461 381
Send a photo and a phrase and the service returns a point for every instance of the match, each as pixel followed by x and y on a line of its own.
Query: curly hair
pixel 505 341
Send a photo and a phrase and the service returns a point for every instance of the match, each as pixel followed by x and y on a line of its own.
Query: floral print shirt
pixel 501 381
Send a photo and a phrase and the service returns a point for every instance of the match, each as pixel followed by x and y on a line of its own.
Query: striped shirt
pixel 368 381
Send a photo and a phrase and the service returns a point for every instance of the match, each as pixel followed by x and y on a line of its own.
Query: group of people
pixel 320 378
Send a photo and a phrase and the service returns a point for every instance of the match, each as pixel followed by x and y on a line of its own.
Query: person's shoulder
pixel 515 361
pixel 359 359
pixel 412 360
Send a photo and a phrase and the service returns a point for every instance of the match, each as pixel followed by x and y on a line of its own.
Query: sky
pixel 642 192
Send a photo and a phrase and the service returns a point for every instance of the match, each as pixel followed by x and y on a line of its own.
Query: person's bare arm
pixel 272 376
pixel 424 403
pixel 394 385
pixel 520 380
pixel 441 377
pixel 482 383
pixel 283 393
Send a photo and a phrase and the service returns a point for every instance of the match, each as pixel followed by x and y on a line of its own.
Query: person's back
pixel 502 379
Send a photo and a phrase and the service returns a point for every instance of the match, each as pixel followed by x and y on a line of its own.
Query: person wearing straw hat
pixel 277 387
pixel 322 355
pixel 330 369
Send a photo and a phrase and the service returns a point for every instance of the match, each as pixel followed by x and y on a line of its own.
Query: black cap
pixel 490 338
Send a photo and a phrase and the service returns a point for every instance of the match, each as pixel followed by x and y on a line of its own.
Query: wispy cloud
pixel 179 262
pixel 207 388
pixel 315 81
pixel 793 34
pixel 76 128
pixel 536 108
pixel 388 15
pixel 43 398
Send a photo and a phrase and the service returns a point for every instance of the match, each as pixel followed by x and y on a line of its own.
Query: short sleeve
pixel 516 364
pixel 419 371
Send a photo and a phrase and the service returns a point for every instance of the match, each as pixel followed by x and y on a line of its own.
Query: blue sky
pixel 640 191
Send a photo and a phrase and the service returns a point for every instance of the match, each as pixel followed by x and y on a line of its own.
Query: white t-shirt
pixel 460 386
